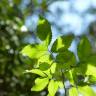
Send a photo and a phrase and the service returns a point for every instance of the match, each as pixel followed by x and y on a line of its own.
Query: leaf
pixel 46 58
pixel 48 95
pixel 86 91
pixel 88 67
pixel 53 68
pixel 91 66
pixel 73 92
pixel 16 1
pixel 44 66
pixel 48 73
pixel 36 71
pixel 71 77
pixel 57 74
pixel 34 51
pixel 44 30
pixel 40 84
pixel 66 57
pixel 84 48
pixel 62 43
pixel 60 84
pixel 52 87
pixel 91 70
pixel 92 79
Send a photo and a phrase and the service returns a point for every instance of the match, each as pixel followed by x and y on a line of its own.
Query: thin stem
pixel 64 83
pixel 65 91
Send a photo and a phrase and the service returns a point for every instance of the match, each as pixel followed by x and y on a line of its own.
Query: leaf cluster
pixel 53 71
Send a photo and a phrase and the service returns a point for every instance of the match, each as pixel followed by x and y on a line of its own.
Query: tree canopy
pixel 33 63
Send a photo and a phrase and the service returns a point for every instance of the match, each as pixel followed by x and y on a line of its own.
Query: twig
pixel 64 83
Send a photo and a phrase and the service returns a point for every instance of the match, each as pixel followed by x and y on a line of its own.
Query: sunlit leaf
pixel 60 84
pixel 36 71
pixel 91 70
pixel 40 84
pixel 92 79
pixel 91 66
pixel 71 77
pixel 52 87
pixel 86 91
pixel 53 68
pixel 46 58
pixel 88 67
pixel 73 91
pixel 34 51
pixel 48 73
pixel 62 43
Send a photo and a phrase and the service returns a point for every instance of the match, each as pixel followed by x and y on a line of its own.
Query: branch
pixel 64 83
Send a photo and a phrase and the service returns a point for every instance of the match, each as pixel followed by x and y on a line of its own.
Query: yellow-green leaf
pixel 52 87
pixel 53 68
pixel 60 84
pixel 62 43
pixel 36 71
pixel 35 50
pixel 86 91
pixel 73 92
pixel 40 84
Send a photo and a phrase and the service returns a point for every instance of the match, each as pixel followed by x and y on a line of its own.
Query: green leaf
pixel 53 68
pixel 48 95
pixel 44 66
pixel 66 57
pixel 86 91
pixel 36 71
pixel 91 70
pixel 62 43
pixel 34 51
pixel 40 84
pixel 91 65
pixel 17 1
pixel 88 67
pixel 60 84
pixel 52 87
pixel 57 74
pixel 44 30
pixel 48 73
pixel 71 77
pixel 46 58
pixel 73 92
pixel 92 79
pixel 84 48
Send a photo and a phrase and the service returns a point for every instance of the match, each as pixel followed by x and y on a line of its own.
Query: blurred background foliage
pixel 13 35
pixel 15 15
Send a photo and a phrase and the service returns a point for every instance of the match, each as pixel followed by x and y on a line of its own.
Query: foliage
pixel 12 80
pixel 53 71
pixel 48 71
